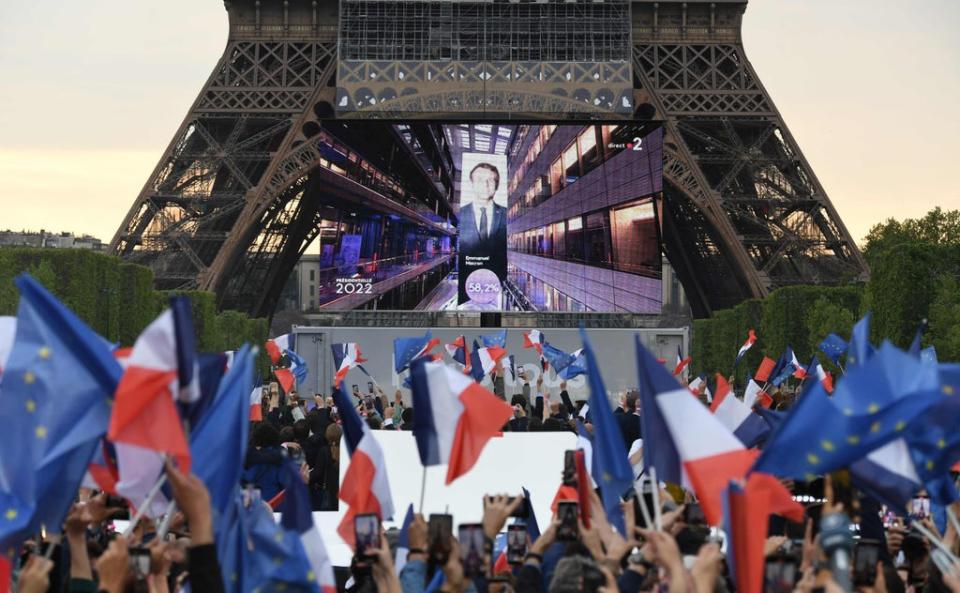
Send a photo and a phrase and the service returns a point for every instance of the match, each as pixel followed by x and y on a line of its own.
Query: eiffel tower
pixel 236 196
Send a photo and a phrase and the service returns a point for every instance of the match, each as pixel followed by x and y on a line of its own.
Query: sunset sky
pixel 92 92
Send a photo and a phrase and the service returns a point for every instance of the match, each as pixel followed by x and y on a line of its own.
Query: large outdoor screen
pixel 487 216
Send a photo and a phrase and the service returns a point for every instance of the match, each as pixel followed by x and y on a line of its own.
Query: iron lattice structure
pixel 238 194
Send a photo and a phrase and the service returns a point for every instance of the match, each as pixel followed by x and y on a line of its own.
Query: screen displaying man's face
pixel 484 182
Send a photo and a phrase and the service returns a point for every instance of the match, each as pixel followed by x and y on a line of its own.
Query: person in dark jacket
pixel 264 462
pixel 629 420
pixel 324 480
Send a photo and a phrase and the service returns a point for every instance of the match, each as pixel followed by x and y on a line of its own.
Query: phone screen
pixel 368 402
pixel 139 562
pixel 516 543
pixel 920 508
pixel 370 386
pixel 780 574
pixel 470 536
pixel 440 530
pixel 865 557
pixel 567 514
pixel 366 530
pixel 693 514
pixel 570 467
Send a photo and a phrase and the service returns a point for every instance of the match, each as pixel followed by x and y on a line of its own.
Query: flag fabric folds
pixel 455 417
pixel 57 385
pixel 747 510
pixel 365 487
pixel 534 339
pixel 298 366
pixel 711 454
pixel 484 359
pixel 8 328
pixel 459 352
pixel 277 346
pixel 346 356
pixel 406 350
pixel 833 346
pixel 659 450
pixel 296 519
pixel 498 339
pixel 681 362
pixel 403 541
pixel 609 456
pixel 751 338
pixel 218 444
pixel 736 416
pixel 145 423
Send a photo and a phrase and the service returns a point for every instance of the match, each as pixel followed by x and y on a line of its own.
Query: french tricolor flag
pixel 455 417
pixel 145 423
pixel 681 363
pixel 737 416
pixel 711 455
pixel 256 397
pixel 459 352
pixel 534 339
pixel 8 329
pixel 364 487
pixel 277 346
pixel 816 369
pixel 345 357
pixel 297 518
pixel 751 338
pixel 484 359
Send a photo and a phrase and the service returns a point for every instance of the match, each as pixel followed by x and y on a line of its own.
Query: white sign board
pixel 508 463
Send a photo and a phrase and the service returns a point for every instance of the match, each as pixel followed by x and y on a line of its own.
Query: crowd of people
pixel 663 544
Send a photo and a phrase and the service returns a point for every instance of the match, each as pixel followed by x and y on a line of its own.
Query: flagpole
pixel 143 507
pixel 164 526
pixel 657 519
pixel 423 488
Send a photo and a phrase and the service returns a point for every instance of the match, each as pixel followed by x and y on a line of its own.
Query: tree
pixel 825 317
pixel 937 227
pixel 944 333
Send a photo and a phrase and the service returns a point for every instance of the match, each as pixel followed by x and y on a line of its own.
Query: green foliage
pixel 936 228
pixel 915 274
pixel 944 318
pixel 785 317
pixel 117 299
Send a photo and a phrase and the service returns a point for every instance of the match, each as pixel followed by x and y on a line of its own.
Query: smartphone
pixel 366 530
pixel 920 508
pixel 780 573
pixel 368 403
pixel 516 543
pixel 370 386
pixel 866 554
pixel 693 514
pixel 570 468
pixel 440 532
pixel 567 514
pixel 646 498
pixel 356 388
pixel 139 562
pixel 470 536
pixel 522 511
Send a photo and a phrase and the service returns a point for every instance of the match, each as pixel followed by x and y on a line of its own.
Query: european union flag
pixel 576 367
pixel 615 476
pixel 894 375
pixel 860 350
pixel 406 349
pixel 497 339
pixel 218 444
pixel 934 440
pixel 55 407
pixel 557 358
pixel 818 436
pixel 834 347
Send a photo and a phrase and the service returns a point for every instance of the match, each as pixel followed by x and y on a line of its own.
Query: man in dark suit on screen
pixel 483 223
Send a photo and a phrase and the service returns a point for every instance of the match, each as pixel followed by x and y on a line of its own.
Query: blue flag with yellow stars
pixel 820 435
pixel 935 444
pixel 613 475
pixel 834 347
pixel 55 407
pixel 859 350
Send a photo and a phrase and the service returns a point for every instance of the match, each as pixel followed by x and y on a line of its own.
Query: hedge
pixel 117 299
pixel 778 320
